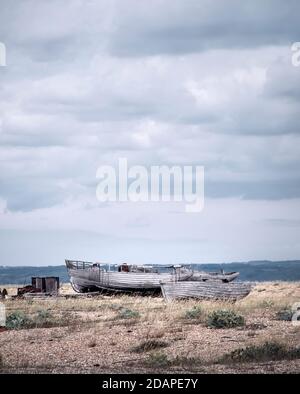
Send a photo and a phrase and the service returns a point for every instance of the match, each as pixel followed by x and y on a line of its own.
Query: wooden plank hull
pixel 214 290
pixel 87 279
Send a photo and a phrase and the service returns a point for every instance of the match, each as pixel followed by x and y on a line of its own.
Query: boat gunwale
pixel 80 264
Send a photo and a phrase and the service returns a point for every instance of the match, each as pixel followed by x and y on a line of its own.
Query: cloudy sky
pixel 163 82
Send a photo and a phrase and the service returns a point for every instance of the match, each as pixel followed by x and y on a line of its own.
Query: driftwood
pixel 205 290
pixel 38 295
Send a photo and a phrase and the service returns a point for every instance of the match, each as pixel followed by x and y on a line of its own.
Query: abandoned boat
pixel 205 290
pixel 203 276
pixel 88 276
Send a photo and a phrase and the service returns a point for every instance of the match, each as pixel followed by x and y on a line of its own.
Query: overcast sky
pixel 160 82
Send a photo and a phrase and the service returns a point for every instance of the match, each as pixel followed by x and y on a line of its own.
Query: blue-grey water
pixel 249 271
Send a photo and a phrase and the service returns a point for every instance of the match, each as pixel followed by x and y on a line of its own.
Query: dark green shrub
pixel 225 319
pixel 269 351
pixel 18 320
pixel 284 315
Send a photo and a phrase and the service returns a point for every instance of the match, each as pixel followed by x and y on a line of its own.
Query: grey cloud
pixel 89 82
pixel 258 190
pixel 283 81
pixel 28 195
pixel 175 28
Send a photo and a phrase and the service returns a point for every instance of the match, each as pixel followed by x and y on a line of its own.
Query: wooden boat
pixel 222 276
pixel 205 290
pixel 88 276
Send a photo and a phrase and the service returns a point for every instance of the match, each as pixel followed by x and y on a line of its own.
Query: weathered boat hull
pixel 205 276
pixel 91 278
pixel 215 290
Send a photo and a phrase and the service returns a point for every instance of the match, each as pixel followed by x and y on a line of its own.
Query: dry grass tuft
pixel 92 343
pixel 195 313
pixel 149 345
pixel 157 360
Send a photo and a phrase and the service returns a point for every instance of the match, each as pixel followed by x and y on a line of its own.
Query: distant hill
pixel 252 271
